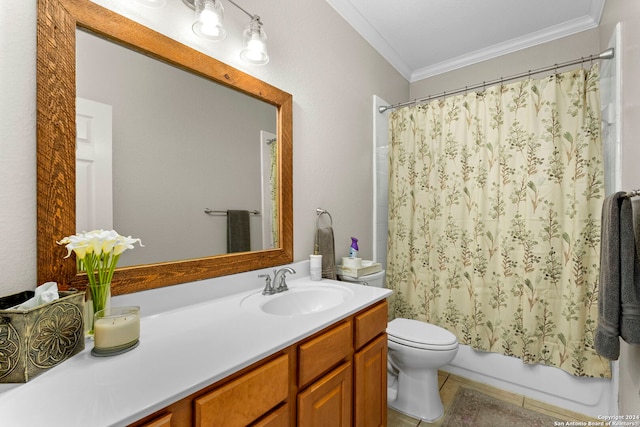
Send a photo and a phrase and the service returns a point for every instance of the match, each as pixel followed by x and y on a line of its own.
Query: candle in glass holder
pixel 116 329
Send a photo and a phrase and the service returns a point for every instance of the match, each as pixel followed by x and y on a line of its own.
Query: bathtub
pixel 590 396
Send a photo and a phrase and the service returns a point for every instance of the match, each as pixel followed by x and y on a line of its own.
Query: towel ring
pixel 321 212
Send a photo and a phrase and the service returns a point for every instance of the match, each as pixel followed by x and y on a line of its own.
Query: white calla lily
pixel 97 252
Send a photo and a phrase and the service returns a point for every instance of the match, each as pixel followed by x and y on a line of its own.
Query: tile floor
pixel 449 384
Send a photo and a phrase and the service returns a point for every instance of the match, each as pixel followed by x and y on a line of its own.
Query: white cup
pixel 315 267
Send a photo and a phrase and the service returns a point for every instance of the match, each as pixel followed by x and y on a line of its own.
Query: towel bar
pixel 212 212
pixel 321 212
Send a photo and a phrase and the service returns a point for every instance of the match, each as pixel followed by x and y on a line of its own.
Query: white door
pixel 94 194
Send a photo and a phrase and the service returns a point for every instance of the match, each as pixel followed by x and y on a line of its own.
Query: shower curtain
pixel 273 194
pixel 494 218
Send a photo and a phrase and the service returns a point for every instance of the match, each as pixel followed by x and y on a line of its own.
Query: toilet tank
pixel 376 279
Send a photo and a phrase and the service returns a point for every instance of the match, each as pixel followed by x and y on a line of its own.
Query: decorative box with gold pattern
pixel 37 339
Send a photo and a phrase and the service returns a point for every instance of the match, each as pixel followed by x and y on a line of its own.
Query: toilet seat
pixel 426 336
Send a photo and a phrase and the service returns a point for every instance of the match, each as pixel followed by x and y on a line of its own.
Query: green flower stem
pixel 99 296
pixel 100 269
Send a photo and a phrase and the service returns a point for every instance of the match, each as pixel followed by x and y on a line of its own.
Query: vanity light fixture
pixel 152 3
pixel 209 15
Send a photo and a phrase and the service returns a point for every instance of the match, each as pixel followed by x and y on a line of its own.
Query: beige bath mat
pixel 476 409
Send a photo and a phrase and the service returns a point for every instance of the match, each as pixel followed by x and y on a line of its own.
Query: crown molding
pixel 549 34
pixel 350 14
pixel 369 33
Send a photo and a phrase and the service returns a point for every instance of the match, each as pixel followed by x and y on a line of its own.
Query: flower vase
pixel 98 298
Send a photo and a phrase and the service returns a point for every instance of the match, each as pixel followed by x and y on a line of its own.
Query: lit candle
pixel 116 327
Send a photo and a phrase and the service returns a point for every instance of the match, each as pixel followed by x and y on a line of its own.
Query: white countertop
pixel 191 336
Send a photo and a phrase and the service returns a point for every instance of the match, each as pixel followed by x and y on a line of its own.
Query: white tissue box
pixel 37 339
pixel 367 267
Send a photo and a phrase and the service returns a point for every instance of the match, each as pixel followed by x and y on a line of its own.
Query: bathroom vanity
pixel 337 376
pixel 208 356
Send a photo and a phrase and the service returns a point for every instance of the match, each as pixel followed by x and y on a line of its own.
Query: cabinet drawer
pixel 161 421
pixel 320 354
pixel 278 418
pixel 370 324
pixel 245 399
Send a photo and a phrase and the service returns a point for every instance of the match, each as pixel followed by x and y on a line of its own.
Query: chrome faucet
pixel 279 278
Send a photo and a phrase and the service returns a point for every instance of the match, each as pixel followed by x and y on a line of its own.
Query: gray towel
pixel 325 246
pixel 238 232
pixel 618 302
pixel 630 290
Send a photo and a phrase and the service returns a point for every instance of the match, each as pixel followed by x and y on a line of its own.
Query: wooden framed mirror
pixel 58 21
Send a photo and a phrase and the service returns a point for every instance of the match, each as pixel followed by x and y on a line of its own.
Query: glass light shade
pixel 209 17
pixel 254 50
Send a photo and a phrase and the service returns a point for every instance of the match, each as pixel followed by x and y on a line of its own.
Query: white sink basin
pixel 299 300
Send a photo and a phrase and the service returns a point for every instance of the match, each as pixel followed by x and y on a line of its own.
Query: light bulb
pixel 209 17
pixel 255 43
pixel 255 50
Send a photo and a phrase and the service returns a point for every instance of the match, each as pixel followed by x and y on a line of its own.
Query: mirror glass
pixel 169 145
pixel 163 173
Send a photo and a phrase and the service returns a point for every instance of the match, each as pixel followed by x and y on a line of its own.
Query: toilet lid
pixel 416 333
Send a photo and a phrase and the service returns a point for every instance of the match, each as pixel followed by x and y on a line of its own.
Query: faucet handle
pixel 268 287
pixel 282 284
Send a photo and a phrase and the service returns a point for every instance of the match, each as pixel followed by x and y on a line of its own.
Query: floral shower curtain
pixel 494 218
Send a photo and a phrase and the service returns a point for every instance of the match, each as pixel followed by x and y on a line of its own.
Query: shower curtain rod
pixel 607 54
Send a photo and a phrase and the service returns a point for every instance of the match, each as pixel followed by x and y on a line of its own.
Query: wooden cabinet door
pixel 370 391
pixel 327 402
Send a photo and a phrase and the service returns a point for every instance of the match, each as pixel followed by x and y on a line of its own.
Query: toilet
pixel 416 351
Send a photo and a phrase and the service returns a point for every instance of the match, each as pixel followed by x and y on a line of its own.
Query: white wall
pixel 380 180
pixel 329 69
pixel 628 13
pixel 17 146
